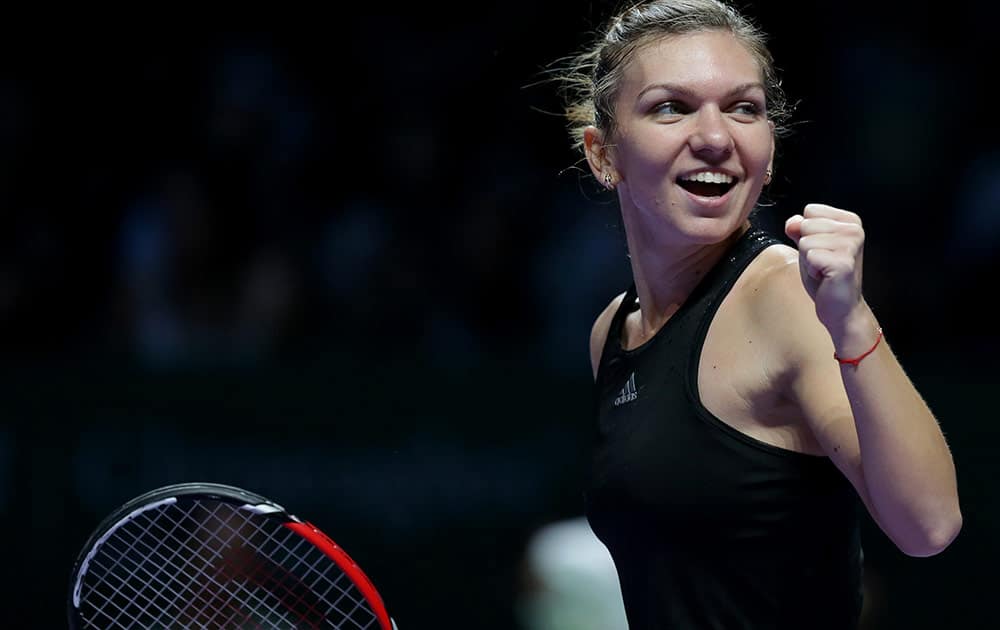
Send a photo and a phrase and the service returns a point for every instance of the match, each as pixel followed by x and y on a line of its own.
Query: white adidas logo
pixel 628 393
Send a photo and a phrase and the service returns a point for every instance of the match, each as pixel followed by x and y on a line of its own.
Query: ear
pixel 598 154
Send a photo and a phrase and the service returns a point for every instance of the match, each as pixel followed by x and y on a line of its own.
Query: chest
pixel 656 447
pixel 663 455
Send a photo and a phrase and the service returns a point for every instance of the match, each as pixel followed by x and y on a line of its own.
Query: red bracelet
pixel 856 360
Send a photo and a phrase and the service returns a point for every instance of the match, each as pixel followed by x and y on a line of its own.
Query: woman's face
pixel 693 141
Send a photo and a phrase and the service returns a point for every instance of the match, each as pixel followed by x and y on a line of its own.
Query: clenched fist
pixel 831 244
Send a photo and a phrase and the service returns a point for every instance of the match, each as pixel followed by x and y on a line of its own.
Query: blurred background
pixel 351 262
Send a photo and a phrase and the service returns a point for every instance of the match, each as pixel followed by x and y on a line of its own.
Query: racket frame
pixel 233 495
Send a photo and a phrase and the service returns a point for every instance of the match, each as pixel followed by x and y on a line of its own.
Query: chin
pixel 711 230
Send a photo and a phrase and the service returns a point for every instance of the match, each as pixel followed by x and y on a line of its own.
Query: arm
pixel 876 428
pixel 599 332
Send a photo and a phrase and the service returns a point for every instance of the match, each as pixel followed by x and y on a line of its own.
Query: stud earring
pixel 608 182
pixel 767 177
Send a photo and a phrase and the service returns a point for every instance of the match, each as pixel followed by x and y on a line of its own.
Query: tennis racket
pixel 205 555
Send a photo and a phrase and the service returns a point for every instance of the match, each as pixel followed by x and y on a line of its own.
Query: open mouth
pixel 707 184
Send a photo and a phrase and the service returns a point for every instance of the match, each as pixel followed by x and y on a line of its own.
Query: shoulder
pixel 778 307
pixel 777 304
pixel 599 331
pixel 773 275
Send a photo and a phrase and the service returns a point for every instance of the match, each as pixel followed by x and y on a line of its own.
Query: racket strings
pixel 166 568
pixel 148 583
pixel 212 565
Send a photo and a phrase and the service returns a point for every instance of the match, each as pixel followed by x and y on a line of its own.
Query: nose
pixel 710 137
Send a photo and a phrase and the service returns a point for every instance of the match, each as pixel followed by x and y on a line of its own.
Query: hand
pixel 831 244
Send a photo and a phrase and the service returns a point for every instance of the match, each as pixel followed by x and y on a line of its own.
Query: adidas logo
pixel 628 393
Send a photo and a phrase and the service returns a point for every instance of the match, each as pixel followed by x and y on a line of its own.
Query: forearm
pixel 908 468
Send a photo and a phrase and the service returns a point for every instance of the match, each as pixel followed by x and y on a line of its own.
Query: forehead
pixel 696 60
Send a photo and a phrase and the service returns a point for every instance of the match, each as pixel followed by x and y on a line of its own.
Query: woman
pixel 747 398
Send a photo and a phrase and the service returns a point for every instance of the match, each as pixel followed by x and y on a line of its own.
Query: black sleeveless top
pixel 710 528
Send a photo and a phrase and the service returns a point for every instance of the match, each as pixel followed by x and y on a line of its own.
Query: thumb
pixel 793 227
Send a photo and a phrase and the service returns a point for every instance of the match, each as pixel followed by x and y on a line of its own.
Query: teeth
pixel 709 178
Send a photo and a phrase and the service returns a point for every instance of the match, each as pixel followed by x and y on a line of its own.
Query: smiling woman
pixel 692 133
pixel 747 401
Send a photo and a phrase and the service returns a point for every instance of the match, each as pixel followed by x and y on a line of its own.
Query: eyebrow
pixel 680 89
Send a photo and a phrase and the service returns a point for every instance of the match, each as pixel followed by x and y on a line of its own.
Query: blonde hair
pixel 591 81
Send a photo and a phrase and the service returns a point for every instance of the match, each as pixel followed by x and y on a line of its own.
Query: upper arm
pixel 599 332
pixel 811 378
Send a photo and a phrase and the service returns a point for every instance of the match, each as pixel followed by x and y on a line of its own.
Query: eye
pixel 747 109
pixel 670 108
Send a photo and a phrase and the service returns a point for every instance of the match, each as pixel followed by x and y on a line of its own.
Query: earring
pixel 608 182
pixel 767 177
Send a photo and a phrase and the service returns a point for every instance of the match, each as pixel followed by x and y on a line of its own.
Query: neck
pixel 665 273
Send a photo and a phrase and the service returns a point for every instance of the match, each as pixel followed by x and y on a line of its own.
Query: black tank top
pixel 708 527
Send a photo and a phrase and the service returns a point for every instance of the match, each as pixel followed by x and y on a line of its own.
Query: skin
pixel 694 102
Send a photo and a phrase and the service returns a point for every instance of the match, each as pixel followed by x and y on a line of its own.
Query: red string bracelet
pixel 856 360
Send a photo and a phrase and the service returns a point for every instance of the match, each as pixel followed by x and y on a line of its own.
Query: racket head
pixel 212 555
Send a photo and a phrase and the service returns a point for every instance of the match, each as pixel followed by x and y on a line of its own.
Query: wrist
pixel 856 334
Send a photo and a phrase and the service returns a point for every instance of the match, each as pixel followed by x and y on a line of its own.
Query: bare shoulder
pixel 772 277
pixel 774 263
pixel 599 331
pixel 778 305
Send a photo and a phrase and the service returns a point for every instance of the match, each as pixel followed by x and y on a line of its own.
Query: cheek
pixel 757 147
pixel 648 153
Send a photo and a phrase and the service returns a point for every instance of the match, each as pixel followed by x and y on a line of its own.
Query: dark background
pixel 349 261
